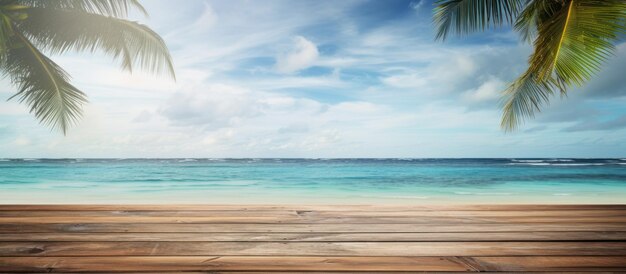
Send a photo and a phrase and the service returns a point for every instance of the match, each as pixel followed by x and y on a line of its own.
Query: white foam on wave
pixel 581 164
pixel 561 164
pixel 187 160
pixel 561 160
pixel 561 194
pixel 530 164
pixel 527 161
pixel 5 160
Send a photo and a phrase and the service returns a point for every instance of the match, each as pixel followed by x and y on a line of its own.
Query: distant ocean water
pixel 311 181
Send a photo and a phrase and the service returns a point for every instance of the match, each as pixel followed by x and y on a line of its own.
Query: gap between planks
pixel 35 249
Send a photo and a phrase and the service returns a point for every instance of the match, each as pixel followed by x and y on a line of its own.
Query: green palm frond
pixel 571 45
pixel 115 8
pixel 571 40
pixel 30 27
pixel 42 85
pixel 59 31
pixel 579 38
pixel 467 16
pixel 524 97
pixel 6 31
pixel 534 14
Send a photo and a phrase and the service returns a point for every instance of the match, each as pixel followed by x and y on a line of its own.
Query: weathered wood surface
pixel 321 238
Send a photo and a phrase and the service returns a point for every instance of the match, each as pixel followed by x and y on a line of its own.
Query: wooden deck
pixel 194 238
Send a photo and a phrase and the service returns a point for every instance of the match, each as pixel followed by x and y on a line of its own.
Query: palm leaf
pixel 534 14
pixel 524 97
pixel 579 38
pixel 467 16
pixel 573 40
pixel 59 31
pixel 6 31
pixel 116 8
pixel 42 85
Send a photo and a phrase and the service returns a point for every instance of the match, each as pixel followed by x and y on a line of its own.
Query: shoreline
pixel 319 202
pixel 248 197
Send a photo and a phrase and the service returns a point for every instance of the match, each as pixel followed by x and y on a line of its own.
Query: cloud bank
pixel 310 79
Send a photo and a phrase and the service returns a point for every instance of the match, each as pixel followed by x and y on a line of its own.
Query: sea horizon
pixel 311 158
pixel 313 180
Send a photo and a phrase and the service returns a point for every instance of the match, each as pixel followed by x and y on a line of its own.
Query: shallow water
pixel 311 181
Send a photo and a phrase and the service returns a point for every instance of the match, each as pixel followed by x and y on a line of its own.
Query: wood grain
pixel 309 220
pixel 304 238
pixel 286 228
pixel 295 263
pixel 316 237
pixel 310 248
pixel 318 213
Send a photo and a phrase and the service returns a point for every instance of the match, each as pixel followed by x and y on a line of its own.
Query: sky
pixel 317 79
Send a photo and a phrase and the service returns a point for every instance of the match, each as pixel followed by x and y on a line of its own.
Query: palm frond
pixel 573 45
pixel 42 85
pixel 6 31
pixel 59 31
pixel 115 8
pixel 573 39
pixel 532 16
pixel 467 16
pixel 524 97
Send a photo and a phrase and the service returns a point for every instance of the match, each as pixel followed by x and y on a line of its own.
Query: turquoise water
pixel 310 181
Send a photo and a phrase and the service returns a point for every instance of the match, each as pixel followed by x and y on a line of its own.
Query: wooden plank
pixel 299 228
pixel 460 207
pixel 312 219
pixel 257 263
pixel 325 264
pixel 549 263
pixel 375 239
pixel 317 213
pixel 310 248
pixel 317 237
pixel 160 213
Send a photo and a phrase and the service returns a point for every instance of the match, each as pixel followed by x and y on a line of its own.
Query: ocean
pixel 312 181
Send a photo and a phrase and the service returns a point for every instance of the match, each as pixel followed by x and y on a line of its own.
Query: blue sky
pixel 318 79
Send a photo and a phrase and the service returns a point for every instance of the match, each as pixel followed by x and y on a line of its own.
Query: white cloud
pixel 332 81
pixel 214 106
pixel 303 54
pixel 488 92
pixel 22 141
pixel 207 19
pixel 143 116
pixel 384 89
pixel 416 5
